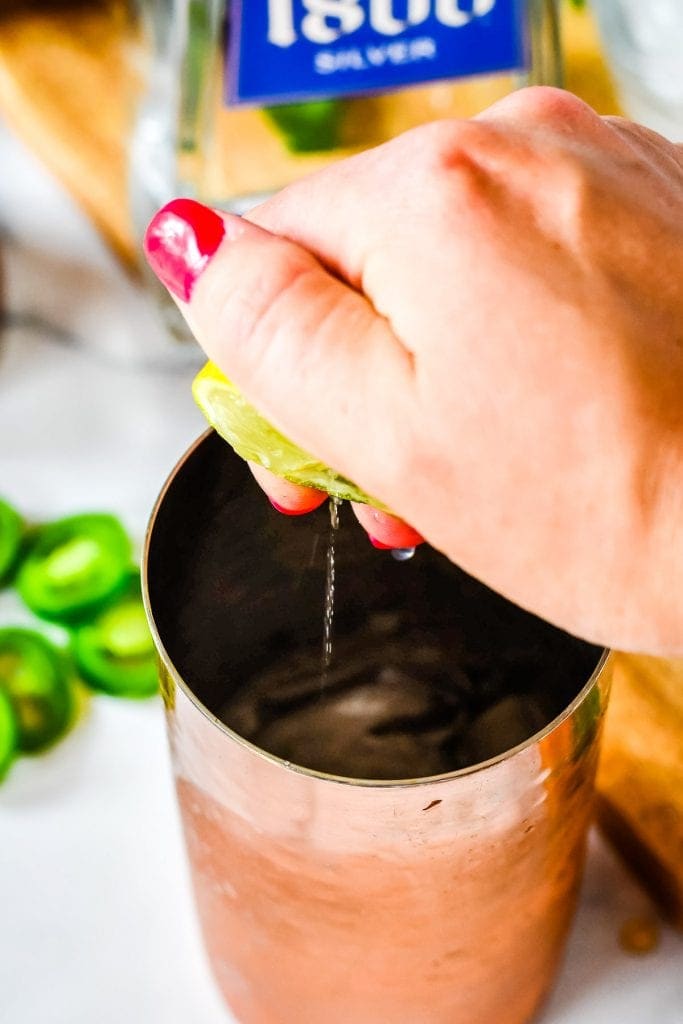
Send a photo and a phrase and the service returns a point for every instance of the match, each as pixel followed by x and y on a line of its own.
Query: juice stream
pixel 328 614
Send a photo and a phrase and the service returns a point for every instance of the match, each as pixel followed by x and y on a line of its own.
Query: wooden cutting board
pixel 640 778
pixel 67 87
pixel 68 83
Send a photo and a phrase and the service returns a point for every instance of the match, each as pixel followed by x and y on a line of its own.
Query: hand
pixel 481 323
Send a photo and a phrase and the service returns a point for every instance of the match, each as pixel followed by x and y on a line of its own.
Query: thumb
pixel 307 350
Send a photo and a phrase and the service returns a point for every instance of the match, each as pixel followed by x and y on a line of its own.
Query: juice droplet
pixel 402 554
pixel 639 935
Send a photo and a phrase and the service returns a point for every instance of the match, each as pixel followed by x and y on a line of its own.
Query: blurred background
pixel 106 109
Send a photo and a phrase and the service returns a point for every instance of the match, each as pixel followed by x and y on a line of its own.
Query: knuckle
pixel 547 105
pixel 449 162
pixel 450 144
pixel 543 105
pixel 644 145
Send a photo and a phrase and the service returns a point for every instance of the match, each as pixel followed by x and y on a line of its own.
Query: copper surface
pixel 438 901
pixel 444 902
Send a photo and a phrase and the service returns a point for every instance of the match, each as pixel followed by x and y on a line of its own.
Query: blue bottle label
pixel 281 51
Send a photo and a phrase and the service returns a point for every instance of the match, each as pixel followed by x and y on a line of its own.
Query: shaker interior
pixel 431 670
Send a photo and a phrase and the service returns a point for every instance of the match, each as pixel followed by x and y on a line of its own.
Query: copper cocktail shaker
pixel 327 899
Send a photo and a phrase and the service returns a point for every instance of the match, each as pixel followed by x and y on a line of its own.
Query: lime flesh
pixel 256 440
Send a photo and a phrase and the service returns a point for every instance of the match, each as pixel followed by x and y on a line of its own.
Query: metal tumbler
pixel 439 898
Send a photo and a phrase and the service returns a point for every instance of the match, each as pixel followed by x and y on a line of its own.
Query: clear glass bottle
pixel 242 97
pixel 644 46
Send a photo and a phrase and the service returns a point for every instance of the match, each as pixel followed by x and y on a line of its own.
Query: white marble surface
pixel 97 922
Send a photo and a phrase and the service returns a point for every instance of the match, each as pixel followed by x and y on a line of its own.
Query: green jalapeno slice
pixel 74 566
pixel 11 532
pixel 115 652
pixel 34 676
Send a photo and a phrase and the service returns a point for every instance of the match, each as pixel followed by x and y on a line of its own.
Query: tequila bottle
pixel 241 97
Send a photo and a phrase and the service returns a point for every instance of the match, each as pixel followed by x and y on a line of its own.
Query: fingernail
pixel 378 544
pixel 179 242
pixel 289 511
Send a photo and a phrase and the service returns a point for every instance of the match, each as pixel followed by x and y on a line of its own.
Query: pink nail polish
pixel 179 242
pixel 289 511
pixel 378 544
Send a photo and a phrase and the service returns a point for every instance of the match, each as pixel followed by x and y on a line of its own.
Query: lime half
pixel 256 440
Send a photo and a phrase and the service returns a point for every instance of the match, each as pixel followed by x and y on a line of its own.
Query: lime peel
pixel 256 440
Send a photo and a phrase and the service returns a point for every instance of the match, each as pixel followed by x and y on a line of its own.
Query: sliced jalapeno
pixel 74 566
pixel 34 676
pixel 115 652
pixel 9 734
pixel 11 529
pixel 308 127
